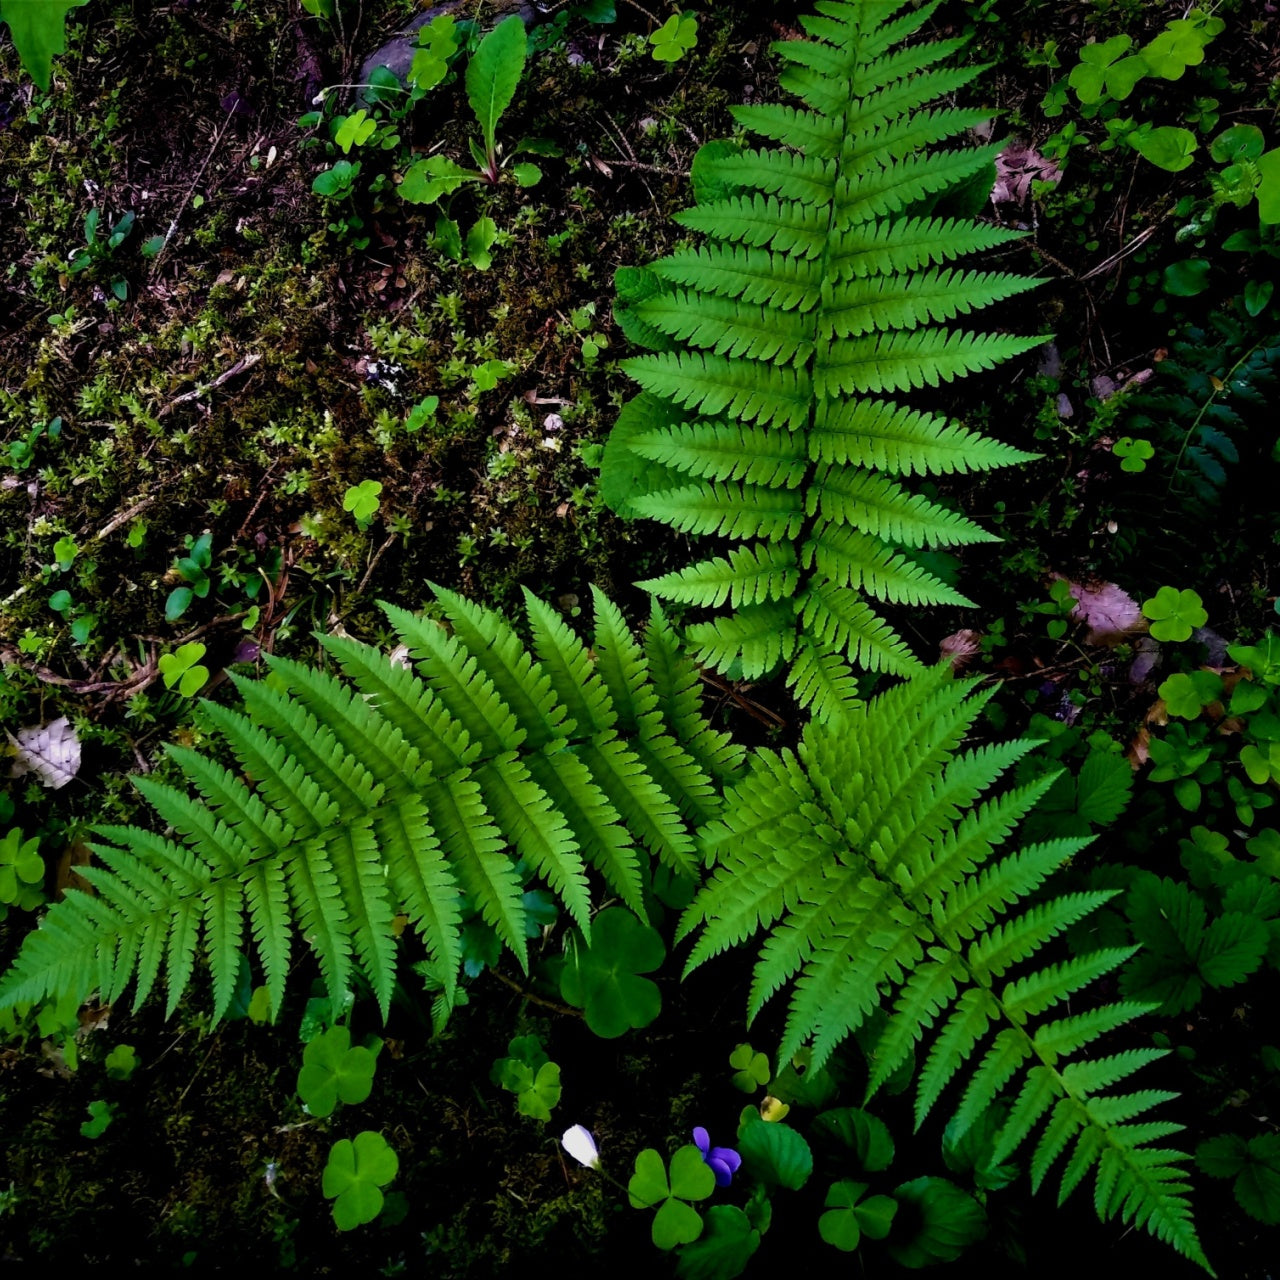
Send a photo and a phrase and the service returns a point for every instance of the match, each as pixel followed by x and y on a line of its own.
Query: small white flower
pixel 581 1146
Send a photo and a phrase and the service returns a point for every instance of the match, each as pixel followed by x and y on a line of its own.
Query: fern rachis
pixel 825 284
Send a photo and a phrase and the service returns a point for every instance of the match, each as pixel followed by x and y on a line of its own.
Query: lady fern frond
pixel 826 282
pixel 867 863
pixel 389 793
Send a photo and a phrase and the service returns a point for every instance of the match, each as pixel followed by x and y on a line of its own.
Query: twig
pixel 533 999
pixel 373 562
pixel 1136 243
pixel 173 222
pixel 242 365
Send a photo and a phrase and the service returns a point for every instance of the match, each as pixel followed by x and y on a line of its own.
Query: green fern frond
pixel 390 792
pixel 870 870
pixel 825 284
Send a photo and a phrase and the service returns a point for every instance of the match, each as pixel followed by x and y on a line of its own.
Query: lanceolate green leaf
pixel 493 74
pixel 38 28
pixel 826 283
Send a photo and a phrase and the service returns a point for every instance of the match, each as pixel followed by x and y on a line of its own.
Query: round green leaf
pixel 775 1153
pixel 936 1222
pixel 1187 278
pixel 866 1135
pixel 1167 147
pixel 1223 1156
pixel 354 1175
pixel 1239 142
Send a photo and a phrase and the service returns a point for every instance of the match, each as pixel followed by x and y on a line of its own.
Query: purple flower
pixel 723 1161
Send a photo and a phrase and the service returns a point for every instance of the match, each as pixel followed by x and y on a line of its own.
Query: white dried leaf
pixel 1017 166
pixel 50 751
pixel 1111 613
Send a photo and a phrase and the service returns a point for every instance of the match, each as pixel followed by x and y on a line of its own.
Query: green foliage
pixel 193 568
pixel 354 1177
pixel 850 1216
pixel 751 1069
pixel 362 501
pixel 1174 613
pixel 820 291
pixel 874 828
pixel 121 1062
pixel 602 977
pixel 334 1070
pixel 391 793
pixel 773 1152
pixel 677 1221
pixel 1184 950
pixel 728 1242
pixel 38 30
pixel 101 1115
pixel 21 872
pixel 181 669
pixel 530 1074
pixel 674 38
pixel 943 1220
pixel 1255 1166
pixel 492 77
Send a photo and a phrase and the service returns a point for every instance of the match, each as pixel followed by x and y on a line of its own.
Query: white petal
pixel 581 1146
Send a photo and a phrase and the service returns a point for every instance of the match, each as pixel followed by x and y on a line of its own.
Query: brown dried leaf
pixel 1017 166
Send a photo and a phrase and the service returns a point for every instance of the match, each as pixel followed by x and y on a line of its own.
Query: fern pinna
pixel 820 290
pixel 869 862
pixel 390 794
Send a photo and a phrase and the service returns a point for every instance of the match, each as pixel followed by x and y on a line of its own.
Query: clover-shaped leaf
pixel 1135 454
pixel 354 1176
pixel 100 1116
pixel 121 1062
pixel 334 1071
pixel 530 1075
pixel 691 1179
pixel 1179 46
pixel 1174 614
pixel 1101 69
pixel 337 182
pixel 602 979
pixel 752 1068
pixel 21 871
pixel 1186 695
pixel 674 38
pixel 353 130
pixel 362 501
pixel 849 1217
pixel 182 668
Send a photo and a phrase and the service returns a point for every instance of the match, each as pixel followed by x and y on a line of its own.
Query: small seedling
pixel 531 1075
pixel 121 1062
pixel 101 1115
pixel 193 568
pixel 362 501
